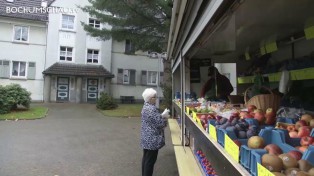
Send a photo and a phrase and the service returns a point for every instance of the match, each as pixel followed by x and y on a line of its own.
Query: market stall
pixel 263 38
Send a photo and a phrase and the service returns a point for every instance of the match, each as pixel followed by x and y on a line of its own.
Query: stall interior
pixel 263 38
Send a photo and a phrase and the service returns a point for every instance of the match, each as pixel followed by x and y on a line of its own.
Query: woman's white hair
pixel 148 94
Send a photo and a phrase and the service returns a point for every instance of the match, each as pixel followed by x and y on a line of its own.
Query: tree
pixel 145 22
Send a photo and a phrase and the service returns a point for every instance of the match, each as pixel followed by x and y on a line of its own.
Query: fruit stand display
pixel 264 39
pixel 248 141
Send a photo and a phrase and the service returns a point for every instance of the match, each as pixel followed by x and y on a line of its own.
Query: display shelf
pixel 184 155
pixel 301 74
pixel 223 163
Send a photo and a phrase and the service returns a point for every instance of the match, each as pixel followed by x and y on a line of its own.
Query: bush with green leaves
pixel 13 95
pixel 105 102
pixel 5 105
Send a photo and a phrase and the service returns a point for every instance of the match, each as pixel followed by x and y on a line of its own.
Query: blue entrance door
pixel 62 89
pixel 92 90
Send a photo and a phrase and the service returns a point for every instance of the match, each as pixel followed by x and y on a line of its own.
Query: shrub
pixel 105 102
pixel 13 95
pixel 5 105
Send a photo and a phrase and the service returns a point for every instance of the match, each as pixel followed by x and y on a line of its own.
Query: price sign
pixel 232 148
pixel 262 50
pixel 194 115
pixel 187 110
pixel 199 122
pixel 309 32
pixel 262 171
pixel 271 47
pixel 212 132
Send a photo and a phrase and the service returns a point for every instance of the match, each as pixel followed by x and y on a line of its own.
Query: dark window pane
pixel 90 51
pixel 62 58
pixel 96 51
pixel 62 49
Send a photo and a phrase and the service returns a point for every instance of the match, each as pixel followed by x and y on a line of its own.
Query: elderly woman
pixel 152 131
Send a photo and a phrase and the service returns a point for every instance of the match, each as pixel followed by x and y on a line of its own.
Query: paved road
pixel 76 140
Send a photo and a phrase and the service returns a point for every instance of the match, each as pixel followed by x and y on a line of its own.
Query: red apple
pixel 312 123
pixel 270 113
pixel 243 114
pixel 270 120
pixel 304 131
pixel 273 149
pixel 251 108
pixel 307 118
pixel 235 113
pixel 249 116
pixel 293 134
pixel 291 128
pixel 306 140
pixel 300 123
pixel 259 116
pixel 295 154
pixel 258 110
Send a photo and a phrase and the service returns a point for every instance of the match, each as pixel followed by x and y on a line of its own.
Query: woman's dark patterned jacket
pixel 152 131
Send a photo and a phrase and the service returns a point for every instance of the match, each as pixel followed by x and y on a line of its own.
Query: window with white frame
pixel 21 33
pixel 152 77
pixel 94 23
pixel 92 56
pixel 67 21
pixel 126 76
pixel 66 53
pixel 18 69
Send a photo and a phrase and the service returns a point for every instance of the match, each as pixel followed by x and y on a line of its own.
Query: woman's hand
pixel 165 114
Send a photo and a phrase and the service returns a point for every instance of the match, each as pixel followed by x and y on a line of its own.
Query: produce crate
pixel 256 157
pixel 270 136
pixel 287 120
pixel 221 132
pixel 309 154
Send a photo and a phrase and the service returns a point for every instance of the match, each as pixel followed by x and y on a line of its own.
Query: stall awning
pixel 71 69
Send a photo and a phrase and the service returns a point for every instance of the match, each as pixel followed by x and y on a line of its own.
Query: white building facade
pixel 62 63
pixel 23 46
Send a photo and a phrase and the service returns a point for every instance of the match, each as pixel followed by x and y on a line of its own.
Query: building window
pixel 67 21
pixel 92 56
pixel 66 53
pixel 94 23
pixel 129 48
pixel 18 69
pixel 126 76
pixel 152 78
pixel 21 33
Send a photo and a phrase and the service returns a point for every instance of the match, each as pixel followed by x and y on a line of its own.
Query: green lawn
pixel 24 114
pixel 124 110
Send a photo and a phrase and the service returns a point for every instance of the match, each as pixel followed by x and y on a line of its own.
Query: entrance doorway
pixel 92 90
pixel 62 89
